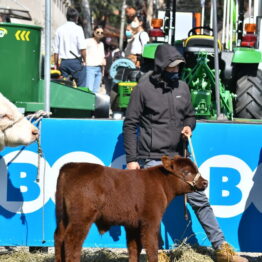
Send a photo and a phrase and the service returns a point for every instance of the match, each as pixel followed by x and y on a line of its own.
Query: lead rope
pixel 192 149
pixel 194 158
pixel 39 115
pixel 40 155
pixel 185 195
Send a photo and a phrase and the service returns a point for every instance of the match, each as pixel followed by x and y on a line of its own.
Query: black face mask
pixel 171 78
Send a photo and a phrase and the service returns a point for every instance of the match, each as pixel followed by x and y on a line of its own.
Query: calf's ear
pixel 167 163
pixel 176 157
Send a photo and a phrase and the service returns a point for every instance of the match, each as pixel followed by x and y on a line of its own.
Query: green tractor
pixel 238 91
pixel 240 82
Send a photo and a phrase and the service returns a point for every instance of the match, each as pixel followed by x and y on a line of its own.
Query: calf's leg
pixel 133 243
pixel 74 237
pixel 150 241
pixel 59 240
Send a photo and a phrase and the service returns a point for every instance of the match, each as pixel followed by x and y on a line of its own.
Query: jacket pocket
pixel 160 139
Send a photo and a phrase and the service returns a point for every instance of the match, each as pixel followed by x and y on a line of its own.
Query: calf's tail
pixel 61 218
pixel 60 201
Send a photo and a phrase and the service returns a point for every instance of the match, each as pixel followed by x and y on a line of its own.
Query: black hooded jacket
pixel 157 112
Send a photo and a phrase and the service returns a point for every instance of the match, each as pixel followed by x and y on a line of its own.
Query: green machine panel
pixel 20 51
pixel 20 61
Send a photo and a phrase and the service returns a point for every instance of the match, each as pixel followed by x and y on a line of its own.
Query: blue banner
pixel 229 155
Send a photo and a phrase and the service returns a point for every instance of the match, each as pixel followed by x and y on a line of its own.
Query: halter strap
pixel 191 183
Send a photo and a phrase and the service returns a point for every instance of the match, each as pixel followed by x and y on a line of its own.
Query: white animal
pixel 15 129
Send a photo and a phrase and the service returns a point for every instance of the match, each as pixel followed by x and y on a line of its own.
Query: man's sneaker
pixel 227 254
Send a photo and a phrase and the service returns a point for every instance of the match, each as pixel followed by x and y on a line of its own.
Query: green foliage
pixel 106 11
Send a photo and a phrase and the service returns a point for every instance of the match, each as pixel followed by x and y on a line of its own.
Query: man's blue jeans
pixel 74 68
pixel 201 207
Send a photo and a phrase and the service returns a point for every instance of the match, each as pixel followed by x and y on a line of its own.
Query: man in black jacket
pixel 159 114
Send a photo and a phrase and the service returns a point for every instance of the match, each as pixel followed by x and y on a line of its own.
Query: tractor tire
pixel 249 96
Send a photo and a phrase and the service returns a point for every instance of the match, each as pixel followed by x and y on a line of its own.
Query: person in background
pixel 137 7
pixel 5 18
pixel 135 45
pixel 112 52
pixel 95 59
pixel 130 14
pixel 128 32
pixel 70 48
pixel 160 114
pixel 129 38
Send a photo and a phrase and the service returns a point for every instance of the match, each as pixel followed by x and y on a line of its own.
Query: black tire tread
pixel 249 96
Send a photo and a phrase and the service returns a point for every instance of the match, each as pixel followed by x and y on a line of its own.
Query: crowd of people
pixel 88 61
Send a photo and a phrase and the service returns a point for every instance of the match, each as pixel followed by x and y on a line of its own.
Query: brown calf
pixel 90 193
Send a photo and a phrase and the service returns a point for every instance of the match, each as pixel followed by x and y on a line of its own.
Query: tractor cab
pixel 199 40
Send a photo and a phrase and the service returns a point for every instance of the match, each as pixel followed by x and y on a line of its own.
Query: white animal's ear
pixel 167 163
pixel 7 116
pixel 5 120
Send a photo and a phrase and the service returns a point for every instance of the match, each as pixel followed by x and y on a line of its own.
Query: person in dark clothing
pixel 159 115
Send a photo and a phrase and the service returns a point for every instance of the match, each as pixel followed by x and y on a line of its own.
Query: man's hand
pixel 83 56
pixel 133 165
pixel 186 131
pixel 56 61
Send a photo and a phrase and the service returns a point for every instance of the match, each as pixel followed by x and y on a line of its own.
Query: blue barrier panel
pixel 228 155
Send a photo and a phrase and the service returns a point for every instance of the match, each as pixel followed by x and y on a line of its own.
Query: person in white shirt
pixel 95 59
pixel 135 45
pixel 70 48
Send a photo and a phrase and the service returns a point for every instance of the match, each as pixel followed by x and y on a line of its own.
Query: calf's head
pixel 15 129
pixel 184 169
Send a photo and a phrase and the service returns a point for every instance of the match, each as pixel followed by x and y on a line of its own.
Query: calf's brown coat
pixel 90 193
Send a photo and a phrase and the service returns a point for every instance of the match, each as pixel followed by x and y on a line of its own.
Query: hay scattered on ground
pixel 183 253
pixel 24 256
pixel 186 253
pixel 99 255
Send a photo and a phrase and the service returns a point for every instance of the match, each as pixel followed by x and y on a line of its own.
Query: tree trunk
pixel 149 11
pixel 122 25
pixel 84 7
pixel 87 26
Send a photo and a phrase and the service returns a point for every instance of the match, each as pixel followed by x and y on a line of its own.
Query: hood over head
pixel 166 55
